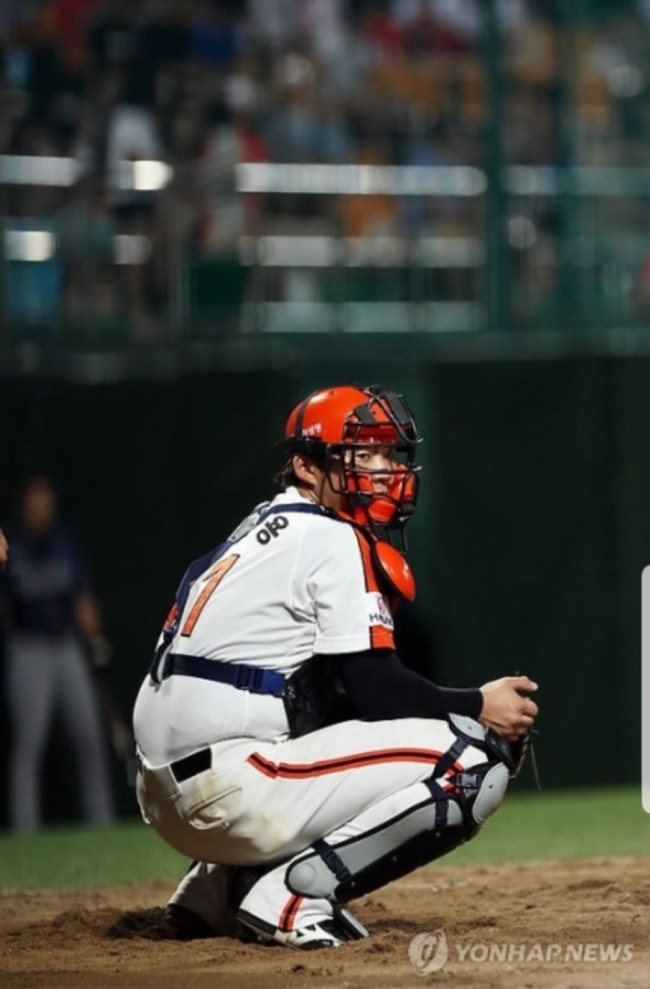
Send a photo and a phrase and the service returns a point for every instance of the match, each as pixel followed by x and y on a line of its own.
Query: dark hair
pixel 286 476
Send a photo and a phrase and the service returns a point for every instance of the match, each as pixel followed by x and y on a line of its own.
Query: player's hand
pixel 506 709
pixel 4 549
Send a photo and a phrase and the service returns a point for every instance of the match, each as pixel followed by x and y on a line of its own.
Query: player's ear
pixel 305 470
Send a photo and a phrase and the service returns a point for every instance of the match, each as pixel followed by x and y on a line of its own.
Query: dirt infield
pixel 528 926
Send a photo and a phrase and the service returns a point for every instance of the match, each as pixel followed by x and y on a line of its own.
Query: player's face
pixel 374 462
pixel 38 508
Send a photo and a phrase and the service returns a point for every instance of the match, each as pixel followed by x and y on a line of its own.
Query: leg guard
pixel 423 833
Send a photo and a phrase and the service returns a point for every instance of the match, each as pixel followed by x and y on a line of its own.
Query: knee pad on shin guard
pixel 473 733
pixel 422 834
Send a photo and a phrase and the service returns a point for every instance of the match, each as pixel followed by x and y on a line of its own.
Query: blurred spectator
pixel 292 127
pixel 112 36
pixel 11 12
pixel 4 550
pixel 439 25
pixel 433 143
pixel 213 36
pixel 35 65
pixel 322 25
pixel 369 215
pixel 300 127
pixel 451 25
pixel 236 137
pixel 642 289
pixel 133 136
pixel 382 29
pixel 68 19
pixel 85 239
pixel 53 622
pixel 274 22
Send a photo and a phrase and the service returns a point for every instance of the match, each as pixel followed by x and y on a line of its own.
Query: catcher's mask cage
pixel 331 426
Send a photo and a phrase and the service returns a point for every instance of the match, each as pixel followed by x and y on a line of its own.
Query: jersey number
pixel 214 578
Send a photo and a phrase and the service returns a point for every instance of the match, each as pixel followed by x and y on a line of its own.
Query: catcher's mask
pixel 332 424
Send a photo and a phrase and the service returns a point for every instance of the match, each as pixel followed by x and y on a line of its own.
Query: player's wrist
pixel 467 701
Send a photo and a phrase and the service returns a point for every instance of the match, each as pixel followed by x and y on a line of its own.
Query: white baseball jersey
pixel 289 586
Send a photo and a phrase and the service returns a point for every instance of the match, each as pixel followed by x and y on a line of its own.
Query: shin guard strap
pixel 332 860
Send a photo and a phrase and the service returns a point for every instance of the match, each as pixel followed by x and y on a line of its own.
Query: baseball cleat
pixel 333 933
pixel 201 908
pixel 185 925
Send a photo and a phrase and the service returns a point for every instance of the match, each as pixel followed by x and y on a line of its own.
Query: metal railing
pixel 575 241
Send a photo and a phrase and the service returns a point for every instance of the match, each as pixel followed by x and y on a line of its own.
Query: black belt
pixel 255 679
pixel 185 768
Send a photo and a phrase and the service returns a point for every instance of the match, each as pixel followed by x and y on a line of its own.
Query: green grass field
pixel 567 824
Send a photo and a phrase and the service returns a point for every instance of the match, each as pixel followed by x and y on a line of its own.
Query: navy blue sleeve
pixel 379 687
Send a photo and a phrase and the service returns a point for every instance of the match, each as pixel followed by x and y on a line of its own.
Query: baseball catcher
pixel 283 746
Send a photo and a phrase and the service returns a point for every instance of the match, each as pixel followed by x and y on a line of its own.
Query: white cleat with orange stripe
pixel 341 928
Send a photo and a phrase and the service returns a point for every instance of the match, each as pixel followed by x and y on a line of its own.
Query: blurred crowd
pixel 292 80
pixel 202 85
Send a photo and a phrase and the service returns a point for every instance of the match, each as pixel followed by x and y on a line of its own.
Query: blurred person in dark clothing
pixel 53 626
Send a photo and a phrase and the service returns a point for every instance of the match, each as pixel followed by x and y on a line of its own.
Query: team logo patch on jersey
pixel 378 610
pixel 271 529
